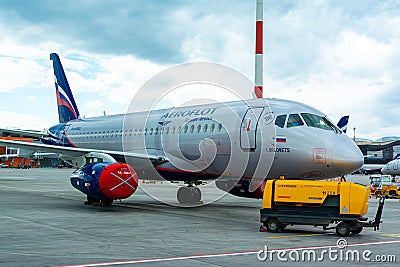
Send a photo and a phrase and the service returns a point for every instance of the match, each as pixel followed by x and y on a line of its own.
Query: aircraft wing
pixel 24 133
pixel 139 159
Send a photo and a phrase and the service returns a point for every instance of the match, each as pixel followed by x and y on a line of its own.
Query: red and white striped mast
pixel 258 76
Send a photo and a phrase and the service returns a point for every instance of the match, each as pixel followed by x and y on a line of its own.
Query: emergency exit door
pixel 248 129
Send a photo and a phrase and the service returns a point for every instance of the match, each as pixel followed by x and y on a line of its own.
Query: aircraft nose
pixel 347 157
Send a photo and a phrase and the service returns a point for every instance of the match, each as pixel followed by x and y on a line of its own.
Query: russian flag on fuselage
pixel 281 139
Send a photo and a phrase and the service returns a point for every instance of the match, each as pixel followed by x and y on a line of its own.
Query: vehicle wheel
pixel 356 230
pixel 273 225
pixel 343 229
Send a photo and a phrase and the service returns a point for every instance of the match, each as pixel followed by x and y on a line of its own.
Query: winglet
pixel 342 124
pixel 67 109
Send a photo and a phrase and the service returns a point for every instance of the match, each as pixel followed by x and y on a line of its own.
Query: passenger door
pixel 248 128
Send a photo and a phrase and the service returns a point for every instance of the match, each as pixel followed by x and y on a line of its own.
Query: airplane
pixel 267 138
pixel 371 168
pixel 392 167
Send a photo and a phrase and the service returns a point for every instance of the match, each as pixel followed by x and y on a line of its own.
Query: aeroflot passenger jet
pixel 304 144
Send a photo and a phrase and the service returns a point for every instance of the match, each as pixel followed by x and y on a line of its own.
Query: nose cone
pixel 384 170
pixel 347 157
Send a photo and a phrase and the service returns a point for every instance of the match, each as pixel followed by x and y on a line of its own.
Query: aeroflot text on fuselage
pixel 187 113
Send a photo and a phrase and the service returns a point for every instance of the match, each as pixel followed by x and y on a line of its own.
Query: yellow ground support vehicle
pixel 318 203
pixel 385 185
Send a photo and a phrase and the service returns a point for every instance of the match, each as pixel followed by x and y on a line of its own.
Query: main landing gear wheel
pixel 189 195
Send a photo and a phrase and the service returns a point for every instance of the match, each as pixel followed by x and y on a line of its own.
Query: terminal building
pixel 380 151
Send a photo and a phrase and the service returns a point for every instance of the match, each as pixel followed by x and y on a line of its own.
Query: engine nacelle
pixel 240 188
pixel 105 180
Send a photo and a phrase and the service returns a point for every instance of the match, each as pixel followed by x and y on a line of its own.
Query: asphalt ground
pixel 43 222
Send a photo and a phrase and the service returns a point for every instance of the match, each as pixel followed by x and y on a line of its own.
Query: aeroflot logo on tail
pixel 188 113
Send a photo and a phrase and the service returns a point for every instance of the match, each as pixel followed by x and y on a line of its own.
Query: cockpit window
pixel 280 120
pixel 320 122
pixel 294 120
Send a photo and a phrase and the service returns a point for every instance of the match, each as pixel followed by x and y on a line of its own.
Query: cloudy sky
pixel 342 57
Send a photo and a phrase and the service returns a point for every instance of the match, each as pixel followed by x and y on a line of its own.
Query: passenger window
pixel 151 131
pixel 166 130
pixel 280 121
pixel 198 128
pixel 173 129
pixel 205 127
pixel 185 129
pixel 212 127
pixel 140 131
pixel 294 120
pixel 219 127
pixel 192 129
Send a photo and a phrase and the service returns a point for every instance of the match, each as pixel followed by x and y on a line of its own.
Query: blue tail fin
pixel 67 109
pixel 342 124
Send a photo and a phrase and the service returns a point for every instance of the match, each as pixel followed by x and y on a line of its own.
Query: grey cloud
pixel 147 29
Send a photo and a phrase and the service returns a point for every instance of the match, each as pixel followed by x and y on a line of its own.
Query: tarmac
pixel 43 222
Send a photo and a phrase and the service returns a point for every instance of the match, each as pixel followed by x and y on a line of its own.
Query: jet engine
pixel 240 188
pixel 104 182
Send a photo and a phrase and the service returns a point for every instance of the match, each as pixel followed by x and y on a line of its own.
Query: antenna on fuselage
pixel 258 70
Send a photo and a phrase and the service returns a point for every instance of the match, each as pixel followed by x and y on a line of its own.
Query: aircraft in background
pixel 371 168
pixel 392 167
pixel 305 145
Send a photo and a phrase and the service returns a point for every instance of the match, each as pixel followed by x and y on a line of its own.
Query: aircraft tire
pixel 188 195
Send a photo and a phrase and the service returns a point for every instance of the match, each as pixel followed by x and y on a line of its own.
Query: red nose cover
pixel 118 181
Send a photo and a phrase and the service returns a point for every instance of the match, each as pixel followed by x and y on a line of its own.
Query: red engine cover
pixel 118 181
